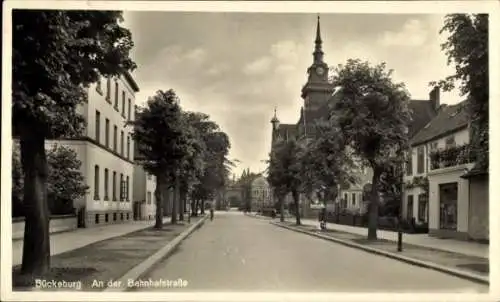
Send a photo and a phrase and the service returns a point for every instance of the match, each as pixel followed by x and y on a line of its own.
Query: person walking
pixel 211 212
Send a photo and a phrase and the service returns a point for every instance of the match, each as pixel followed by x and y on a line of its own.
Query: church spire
pixel 318 51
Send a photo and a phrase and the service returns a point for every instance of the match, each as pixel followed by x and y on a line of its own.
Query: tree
pixel 216 169
pixel 325 163
pixel 65 181
pixel 162 143
pixel 467 47
pixel 200 126
pixel 55 55
pixel 284 173
pixel 373 115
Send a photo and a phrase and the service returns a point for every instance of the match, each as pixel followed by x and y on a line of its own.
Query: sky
pixel 239 67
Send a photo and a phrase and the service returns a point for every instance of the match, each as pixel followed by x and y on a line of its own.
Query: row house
pixel 106 151
pixel 438 190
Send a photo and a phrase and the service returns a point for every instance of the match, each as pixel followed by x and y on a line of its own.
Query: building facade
pixel 260 193
pixel 319 96
pixel 144 194
pixel 438 191
pixel 106 151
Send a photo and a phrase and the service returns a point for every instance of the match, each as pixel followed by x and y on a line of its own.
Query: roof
pixel 421 114
pixel 287 130
pixel 449 119
pixel 131 81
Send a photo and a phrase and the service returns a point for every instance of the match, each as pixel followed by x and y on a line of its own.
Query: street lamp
pixel 400 175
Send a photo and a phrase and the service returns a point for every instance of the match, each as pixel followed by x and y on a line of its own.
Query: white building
pixel 261 194
pixel 144 194
pixel 437 192
pixel 106 151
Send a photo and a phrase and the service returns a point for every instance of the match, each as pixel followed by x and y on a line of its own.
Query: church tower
pixel 317 91
pixel 276 123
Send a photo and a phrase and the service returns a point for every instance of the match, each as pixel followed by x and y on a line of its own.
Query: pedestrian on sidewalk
pixel 322 219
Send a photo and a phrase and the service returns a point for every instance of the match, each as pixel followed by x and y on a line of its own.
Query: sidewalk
pixel 68 241
pixel 464 266
pixel 109 264
pixel 448 245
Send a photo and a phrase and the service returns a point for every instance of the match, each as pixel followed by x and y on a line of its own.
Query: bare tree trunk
pixel 295 195
pixel 196 207
pixel 193 207
pixel 159 201
pixel 36 247
pixel 202 207
pixel 175 204
pixel 182 204
pixel 373 206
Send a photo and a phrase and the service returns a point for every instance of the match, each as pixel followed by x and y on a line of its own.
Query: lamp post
pixel 400 175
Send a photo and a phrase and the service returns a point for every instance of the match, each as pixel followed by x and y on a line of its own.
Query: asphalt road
pixel 239 253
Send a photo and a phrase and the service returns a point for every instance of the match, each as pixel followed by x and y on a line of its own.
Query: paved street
pixel 239 253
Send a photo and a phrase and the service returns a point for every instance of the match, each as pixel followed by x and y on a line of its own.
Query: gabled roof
pixel 449 119
pixel 422 113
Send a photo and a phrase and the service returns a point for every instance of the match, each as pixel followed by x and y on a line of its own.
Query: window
pixel 116 95
pixel 409 164
pixel 149 198
pixel 129 109
pixel 409 210
pixel 96 182
pixel 106 217
pixel 106 133
pixel 96 218
pixel 448 206
pixel 98 87
pixel 106 184
pixel 420 160
pixel 353 199
pixel 450 142
pixel 115 138
pixel 422 207
pixel 434 146
pixel 108 90
pixel 121 143
pixel 121 216
pixel 122 188
pixel 114 185
pixel 114 216
pixel 128 146
pixel 128 217
pixel 97 126
pixel 127 189
pixel 123 103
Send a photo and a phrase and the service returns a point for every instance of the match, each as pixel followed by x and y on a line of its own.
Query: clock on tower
pixel 320 71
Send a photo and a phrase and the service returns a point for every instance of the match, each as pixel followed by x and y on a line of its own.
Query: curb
pixel 457 273
pixel 145 266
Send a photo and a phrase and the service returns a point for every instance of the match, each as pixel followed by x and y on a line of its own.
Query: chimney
pixel 434 97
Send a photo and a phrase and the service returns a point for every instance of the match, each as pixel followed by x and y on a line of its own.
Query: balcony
pixel 453 156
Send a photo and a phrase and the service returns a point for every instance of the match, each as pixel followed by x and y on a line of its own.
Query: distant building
pixel 319 96
pixel 106 151
pixel 260 194
pixel 456 204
